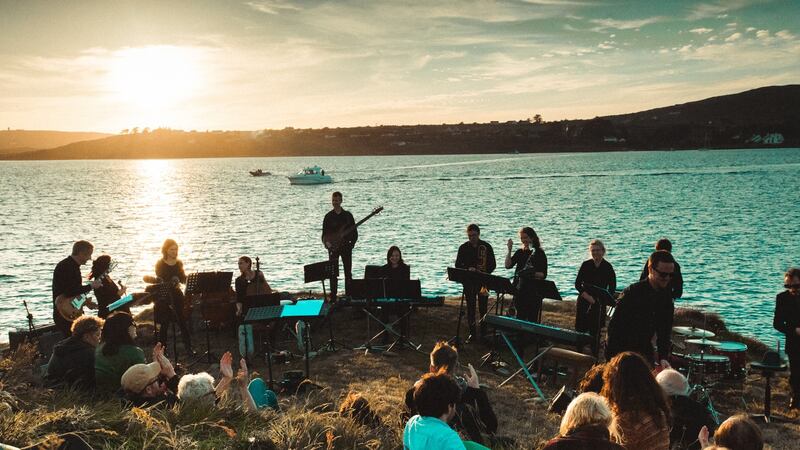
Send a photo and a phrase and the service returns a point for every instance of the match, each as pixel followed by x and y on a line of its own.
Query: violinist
pixel 109 292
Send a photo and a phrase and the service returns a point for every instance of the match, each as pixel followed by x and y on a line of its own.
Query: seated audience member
pixel 435 396
pixel 474 414
pixel 199 388
pixel 72 362
pixel 738 432
pixel 148 384
pixel 688 416
pixel 639 404
pixel 592 381
pixel 585 425
pixel 117 351
pixel 356 407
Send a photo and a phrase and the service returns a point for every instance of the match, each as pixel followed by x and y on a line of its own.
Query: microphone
pixel 149 279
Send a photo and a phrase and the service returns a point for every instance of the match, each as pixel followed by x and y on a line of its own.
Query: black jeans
pixel 347 262
pixel 470 296
pixel 794 372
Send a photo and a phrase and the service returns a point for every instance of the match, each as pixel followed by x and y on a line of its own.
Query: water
pixel 732 216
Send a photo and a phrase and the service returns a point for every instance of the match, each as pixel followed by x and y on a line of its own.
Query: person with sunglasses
pixel 787 321
pixel 645 309
pixel 145 385
pixel 676 283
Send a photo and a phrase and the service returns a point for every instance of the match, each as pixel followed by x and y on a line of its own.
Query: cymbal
pixel 704 342
pixel 693 332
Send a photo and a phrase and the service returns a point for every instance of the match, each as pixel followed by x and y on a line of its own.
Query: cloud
pixel 701 30
pixel 273 7
pixel 733 37
pixel 762 34
pixel 605 24
pixel 785 34
pixel 750 29
pixel 717 9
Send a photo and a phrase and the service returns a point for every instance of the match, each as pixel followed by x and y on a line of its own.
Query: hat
pixel 138 376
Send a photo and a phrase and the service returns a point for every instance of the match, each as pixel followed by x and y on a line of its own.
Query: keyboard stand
pixel 524 367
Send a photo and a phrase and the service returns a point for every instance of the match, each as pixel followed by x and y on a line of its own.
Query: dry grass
pixel 310 421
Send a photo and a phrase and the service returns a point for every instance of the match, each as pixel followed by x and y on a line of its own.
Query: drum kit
pixel 707 361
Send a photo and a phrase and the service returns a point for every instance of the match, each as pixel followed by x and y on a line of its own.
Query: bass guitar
pixel 338 239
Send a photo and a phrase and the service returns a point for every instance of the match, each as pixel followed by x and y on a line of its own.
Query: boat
pixel 259 173
pixel 310 175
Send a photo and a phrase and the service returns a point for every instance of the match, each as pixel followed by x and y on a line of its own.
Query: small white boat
pixel 310 175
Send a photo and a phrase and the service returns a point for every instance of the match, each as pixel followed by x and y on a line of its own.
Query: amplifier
pixel 46 336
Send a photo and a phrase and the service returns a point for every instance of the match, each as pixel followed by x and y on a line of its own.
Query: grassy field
pixel 311 421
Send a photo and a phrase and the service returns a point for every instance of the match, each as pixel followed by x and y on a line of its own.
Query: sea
pixel 732 216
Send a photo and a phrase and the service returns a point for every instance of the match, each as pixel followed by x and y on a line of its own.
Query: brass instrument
pixel 483 265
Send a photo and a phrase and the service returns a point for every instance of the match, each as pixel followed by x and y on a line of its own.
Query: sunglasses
pixel 664 274
pixel 156 380
pixel 792 286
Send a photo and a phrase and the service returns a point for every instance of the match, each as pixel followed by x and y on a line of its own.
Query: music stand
pixel 463 277
pixel 203 285
pixel 163 295
pixel 371 271
pixel 303 309
pixel 321 271
pixel 605 298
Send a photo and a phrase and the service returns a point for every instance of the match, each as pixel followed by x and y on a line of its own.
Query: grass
pixel 30 413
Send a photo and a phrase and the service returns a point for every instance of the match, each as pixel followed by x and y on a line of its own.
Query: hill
pixel 15 141
pixel 763 117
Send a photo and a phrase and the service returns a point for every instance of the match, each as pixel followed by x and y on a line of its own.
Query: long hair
pixel 389 255
pixel 739 432
pixel 166 245
pixel 629 386
pixel 115 333
pixel 535 242
pixel 100 266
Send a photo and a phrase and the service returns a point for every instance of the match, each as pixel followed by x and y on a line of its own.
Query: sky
pixel 247 65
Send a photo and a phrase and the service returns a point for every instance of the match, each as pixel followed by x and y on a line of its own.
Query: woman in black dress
pixel 531 264
pixel 109 292
pixel 787 321
pixel 170 269
pixel 590 313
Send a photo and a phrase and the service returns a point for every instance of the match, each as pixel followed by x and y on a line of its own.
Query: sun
pixel 155 77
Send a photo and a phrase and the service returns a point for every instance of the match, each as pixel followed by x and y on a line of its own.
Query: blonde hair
pixel 586 409
pixel 598 243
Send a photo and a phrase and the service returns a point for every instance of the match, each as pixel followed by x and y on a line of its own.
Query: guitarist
pixel 67 281
pixel 336 221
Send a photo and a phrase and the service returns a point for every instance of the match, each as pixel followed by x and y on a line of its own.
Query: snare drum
pixel 737 354
pixel 713 364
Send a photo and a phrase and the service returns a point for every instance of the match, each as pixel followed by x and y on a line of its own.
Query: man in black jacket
pixel 643 310
pixel 67 280
pixel 335 223
pixel 72 362
pixel 476 255
pixel 676 283
pixel 474 415
pixel 787 321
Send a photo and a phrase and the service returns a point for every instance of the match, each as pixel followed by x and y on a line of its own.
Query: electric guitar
pixel 71 307
pixel 337 239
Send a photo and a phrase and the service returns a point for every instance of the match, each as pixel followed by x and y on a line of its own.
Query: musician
pixel 590 313
pixel 395 268
pixel 250 282
pixel 170 270
pixel 67 281
pixel 475 255
pixel 645 309
pixel 534 262
pixel 335 222
pixel 109 292
pixel 676 284
pixel 787 321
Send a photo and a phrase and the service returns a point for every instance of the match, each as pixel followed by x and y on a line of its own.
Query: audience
pixel 72 362
pixel 641 412
pixel 150 384
pixel 688 416
pixel 116 352
pixel 435 397
pixel 199 388
pixel 585 425
pixel 738 432
pixel 474 415
pixel 593 380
